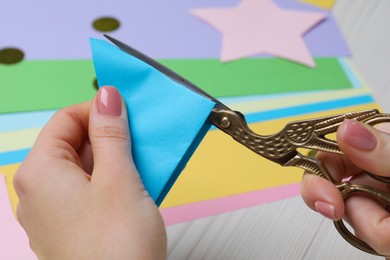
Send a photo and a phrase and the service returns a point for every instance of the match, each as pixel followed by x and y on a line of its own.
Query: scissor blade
pixel 163 69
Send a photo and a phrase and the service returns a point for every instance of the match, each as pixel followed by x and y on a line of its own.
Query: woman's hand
pixel 80 194
pixel 366 149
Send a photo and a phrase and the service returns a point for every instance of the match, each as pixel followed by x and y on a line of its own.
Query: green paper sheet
pixel 261 76
pixel 42 85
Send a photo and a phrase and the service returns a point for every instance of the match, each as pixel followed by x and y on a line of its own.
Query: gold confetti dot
pixel 106 24
pixel 95 84
pixel 11 56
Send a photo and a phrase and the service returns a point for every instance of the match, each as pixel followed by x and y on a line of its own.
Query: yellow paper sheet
pixel 222 167
pixel 17 140
pixel 9 172
pixel 326 4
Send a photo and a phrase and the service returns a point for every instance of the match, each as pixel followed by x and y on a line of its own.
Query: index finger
pixel 322 195
pixel 67 129
pixel 339 166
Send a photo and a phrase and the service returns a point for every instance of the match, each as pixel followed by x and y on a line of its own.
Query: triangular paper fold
pixel 167 120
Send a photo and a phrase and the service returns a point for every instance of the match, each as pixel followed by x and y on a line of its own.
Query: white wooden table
pixel 288 229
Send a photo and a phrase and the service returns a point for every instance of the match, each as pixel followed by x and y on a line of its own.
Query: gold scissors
pixel 282 147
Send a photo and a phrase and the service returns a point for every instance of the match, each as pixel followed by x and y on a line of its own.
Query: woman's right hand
pixel 365 149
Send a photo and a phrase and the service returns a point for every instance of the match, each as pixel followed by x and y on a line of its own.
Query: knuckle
pixel 27 177
pixel 19 215
pixel 70 114
pixel 110 132
pixel 64 113
pixel 18 182
pixel 65 151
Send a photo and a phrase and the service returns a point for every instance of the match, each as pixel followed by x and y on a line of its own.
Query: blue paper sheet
pixel 167 120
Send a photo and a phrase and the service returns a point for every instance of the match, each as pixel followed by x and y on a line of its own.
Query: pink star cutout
pixel 261 27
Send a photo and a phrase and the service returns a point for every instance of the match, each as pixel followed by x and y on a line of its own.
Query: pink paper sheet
pixel 13 240
pixel 179 214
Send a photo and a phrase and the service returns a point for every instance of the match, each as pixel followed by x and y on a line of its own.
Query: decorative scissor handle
pixel 282 148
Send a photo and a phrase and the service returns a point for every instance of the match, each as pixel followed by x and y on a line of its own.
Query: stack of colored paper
pixel 273 72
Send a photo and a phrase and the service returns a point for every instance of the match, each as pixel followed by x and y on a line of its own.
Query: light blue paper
pixel 24 120
pixel 167 120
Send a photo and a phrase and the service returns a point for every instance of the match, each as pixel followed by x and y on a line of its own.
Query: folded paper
pixel 167 120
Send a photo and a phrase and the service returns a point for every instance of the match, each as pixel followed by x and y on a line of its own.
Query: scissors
pixel 282 147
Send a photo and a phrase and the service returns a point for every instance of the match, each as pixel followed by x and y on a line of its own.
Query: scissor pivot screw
pixel 225 122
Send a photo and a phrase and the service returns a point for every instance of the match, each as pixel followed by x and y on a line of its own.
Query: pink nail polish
pixel 109 101
pixel 358 136
pixel 325 209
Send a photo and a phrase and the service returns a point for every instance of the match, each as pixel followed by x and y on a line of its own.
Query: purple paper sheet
pixel 47 29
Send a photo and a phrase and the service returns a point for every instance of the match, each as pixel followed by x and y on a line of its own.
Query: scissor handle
pixel 379 178
pixel 352 239
pixel 282 148
pixel 348 190
pixel 315 166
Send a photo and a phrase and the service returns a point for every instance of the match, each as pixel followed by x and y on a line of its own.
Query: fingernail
pixel 109 101
pixel 325 209
pixel 358 136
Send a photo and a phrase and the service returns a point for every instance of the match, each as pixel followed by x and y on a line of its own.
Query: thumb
pixel 365 146
pixel 110 140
